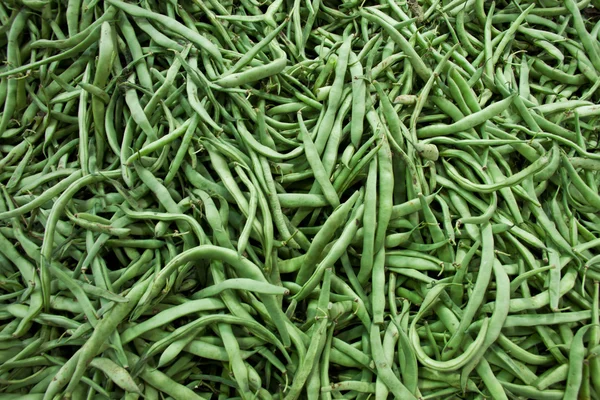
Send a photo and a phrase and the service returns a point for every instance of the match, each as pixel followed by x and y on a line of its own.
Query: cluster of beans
pixel 290 199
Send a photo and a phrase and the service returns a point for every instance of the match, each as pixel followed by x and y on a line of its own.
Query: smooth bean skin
pixel 176 26
pixel 263 224
pixel 467 122
pixel 245 268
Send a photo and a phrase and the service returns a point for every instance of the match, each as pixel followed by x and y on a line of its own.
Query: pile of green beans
pixel 299 199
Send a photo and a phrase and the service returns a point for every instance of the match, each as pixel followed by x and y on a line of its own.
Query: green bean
pixel 356 386
pixel 240 163
pixel 558 75
pixel 194 225
pixel 317 166
pixel 586 40
pixel 27 270
pixel 418 64
pixel 481 284
pixel 368 248
pixel 57 209
pixel 172 25
pixel 78 292
pixel 330 153
pixel 313 353
pixel 385 372
pixel 542 319
pixel 344 179
pixel 385 195
pixel 160 143
pixel 253 74
pixel 160 380
pixel 100 228
pixel 509 34
pixel 499 315
pixel 358 94
pixel 576 355
pixel 246 268
pixel 335 253
pixel 19 170
pixel 334 98
pixel 242 284
pixel 117 374
pixel 592 198
pixel 79 362
pixel 513 179
pixel 470 121
pixel 239 369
